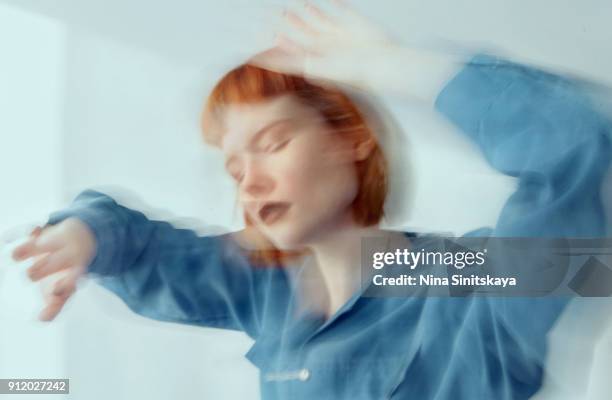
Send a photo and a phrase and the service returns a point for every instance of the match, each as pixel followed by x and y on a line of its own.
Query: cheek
pixel 296 181
pixel 317 184
pixel 297 169
pixel 310 170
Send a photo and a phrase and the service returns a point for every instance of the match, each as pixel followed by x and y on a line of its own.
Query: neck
pixel 337 254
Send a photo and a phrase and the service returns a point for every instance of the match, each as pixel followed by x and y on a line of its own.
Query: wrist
pixel 413 73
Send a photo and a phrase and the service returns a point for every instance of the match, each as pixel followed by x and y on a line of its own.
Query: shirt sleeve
pixel 543 130
pixel 166 273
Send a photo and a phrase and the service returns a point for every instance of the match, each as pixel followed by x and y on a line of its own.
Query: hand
pixel 66 248
pixel 341 46
pixel 346 47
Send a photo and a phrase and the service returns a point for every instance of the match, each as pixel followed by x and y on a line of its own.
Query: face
pixel 296 177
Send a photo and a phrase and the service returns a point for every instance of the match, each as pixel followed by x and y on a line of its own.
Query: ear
pixel 364 148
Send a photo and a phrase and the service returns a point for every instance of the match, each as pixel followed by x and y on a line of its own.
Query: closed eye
pixel 271 148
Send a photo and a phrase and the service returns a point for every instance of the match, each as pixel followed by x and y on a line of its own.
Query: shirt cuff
pixel 101 226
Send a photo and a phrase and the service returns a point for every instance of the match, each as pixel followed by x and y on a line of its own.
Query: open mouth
pixel 272 212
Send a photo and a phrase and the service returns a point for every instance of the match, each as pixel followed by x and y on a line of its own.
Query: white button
pixel 304 374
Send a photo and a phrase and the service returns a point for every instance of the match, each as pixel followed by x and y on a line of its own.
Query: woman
pixel 311 177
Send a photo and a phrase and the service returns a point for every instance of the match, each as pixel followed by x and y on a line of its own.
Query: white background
pixel 109 93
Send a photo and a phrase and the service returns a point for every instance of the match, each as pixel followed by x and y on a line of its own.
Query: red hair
pixel 248 83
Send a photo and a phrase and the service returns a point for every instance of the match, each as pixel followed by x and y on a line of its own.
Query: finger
pixel 53 308
pixel 299 23
pixel 40 241
pixel 22 251
pixel 347 10
pixel 36 231
pixel 319 15
pixel 297 52
pixel 38 264
pixel 279 60
pixel 25 250
pixel 67 285
pixel 291 47
pixel 49 264
pixel 56 299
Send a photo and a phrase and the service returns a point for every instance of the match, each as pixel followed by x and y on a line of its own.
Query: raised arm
pixel 542 129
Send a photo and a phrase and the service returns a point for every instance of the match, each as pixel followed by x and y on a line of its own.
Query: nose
pixel 256 182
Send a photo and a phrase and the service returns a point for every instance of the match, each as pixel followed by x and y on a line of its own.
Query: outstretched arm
pixel 159 271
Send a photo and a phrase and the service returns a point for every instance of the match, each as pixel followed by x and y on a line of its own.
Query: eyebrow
pixel 259 135
pixel 266 129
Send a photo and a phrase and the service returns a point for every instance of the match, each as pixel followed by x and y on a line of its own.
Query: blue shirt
pixel 529 124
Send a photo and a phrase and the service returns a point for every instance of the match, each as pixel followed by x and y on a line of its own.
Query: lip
pixel 271 212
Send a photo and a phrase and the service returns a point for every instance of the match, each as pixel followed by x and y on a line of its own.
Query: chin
pixel 288 239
